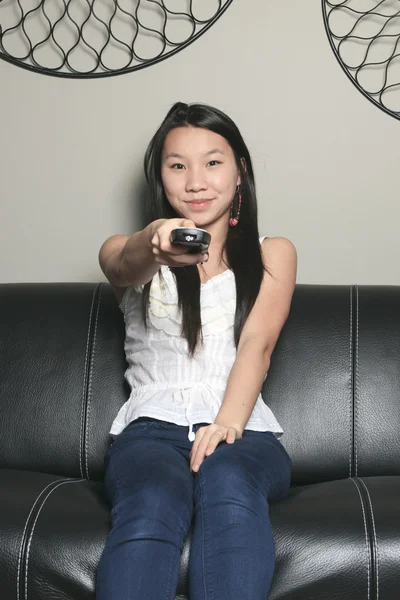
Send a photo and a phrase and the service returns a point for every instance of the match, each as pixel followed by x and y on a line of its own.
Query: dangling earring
pixel 233 221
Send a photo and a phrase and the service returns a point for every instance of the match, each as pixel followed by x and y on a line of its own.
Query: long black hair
pixel 242 245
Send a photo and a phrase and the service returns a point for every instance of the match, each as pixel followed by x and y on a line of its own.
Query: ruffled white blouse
pixel 166 383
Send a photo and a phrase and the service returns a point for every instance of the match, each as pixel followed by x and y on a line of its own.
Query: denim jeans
pixel 155 498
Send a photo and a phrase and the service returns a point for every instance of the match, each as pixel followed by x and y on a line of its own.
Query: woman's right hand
pixel 167 253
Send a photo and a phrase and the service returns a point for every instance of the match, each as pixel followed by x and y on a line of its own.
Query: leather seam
pixel 84 397
pixel 366 540
pixel 355 385
pixel 351 384
pixel 58 484
pixel 375 538
pixel 89 388
pixel 24 535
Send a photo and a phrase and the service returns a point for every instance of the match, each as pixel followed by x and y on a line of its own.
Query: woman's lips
pixel 199 205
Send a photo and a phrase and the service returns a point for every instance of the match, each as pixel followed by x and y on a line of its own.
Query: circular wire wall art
pixel 365 37
pixel 99 38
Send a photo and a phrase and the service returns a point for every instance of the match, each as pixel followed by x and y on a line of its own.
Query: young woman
pixel 195 444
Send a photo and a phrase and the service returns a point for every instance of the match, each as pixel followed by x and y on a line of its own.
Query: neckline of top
pixel 211 278
pixel 215 277
pixel 261 238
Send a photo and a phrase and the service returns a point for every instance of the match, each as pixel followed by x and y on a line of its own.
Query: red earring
pixel 233 221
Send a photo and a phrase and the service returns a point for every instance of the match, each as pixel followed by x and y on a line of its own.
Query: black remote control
pixel 197 240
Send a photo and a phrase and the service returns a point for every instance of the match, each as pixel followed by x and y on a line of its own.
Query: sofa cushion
pixel 338 539
pixel 333 540
pixel 53 531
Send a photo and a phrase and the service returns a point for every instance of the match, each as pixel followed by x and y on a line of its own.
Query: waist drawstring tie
pixel 187 397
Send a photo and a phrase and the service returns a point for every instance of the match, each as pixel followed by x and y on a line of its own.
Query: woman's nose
pixel 195 181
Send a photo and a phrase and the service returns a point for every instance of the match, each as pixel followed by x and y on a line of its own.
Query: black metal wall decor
pixel 365 37
pixel 99 38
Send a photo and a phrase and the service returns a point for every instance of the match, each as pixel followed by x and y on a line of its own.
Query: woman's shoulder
pixel 281 243
pixel 279 254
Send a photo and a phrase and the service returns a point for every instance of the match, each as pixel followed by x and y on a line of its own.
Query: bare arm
pixel 260 334
pixel 130 260
pixel 136 259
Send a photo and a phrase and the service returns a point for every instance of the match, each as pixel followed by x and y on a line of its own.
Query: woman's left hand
pixel 207 439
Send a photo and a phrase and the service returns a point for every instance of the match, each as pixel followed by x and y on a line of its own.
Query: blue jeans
pixel 155 498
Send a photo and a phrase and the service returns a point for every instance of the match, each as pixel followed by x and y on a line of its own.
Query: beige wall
pixel 326 159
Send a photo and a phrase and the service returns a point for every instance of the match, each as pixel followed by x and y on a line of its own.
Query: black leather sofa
pixel 334 385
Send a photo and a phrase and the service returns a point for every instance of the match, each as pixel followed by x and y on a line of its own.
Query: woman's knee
pixel 236 470
pixel 222 470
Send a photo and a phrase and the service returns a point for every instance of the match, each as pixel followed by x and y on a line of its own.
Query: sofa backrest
pixel 333 384
pixel 61 376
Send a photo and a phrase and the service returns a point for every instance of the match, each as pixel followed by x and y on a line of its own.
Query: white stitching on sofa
pixel 366 538
pixel 375 540
pixel 355 385
pixel 351 377
pixel 34 524
pixel 84 387
pixel 90 382
pixel 23 536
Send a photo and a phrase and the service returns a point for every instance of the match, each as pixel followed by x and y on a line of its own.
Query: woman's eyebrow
pixel 176 155
pixel 214 151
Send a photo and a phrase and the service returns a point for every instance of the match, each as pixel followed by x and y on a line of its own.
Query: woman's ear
pixel 244 167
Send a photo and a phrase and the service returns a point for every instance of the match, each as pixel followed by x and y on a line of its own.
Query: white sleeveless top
pixel 166 383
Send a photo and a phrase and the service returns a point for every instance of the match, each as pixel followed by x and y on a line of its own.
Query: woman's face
pixel 199 174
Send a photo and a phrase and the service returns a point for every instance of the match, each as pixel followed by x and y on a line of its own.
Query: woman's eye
pixel 214 162
pixel 177 166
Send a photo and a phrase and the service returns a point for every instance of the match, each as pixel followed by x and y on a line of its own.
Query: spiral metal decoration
pixel 99 38
pixel 365 38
